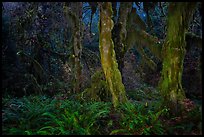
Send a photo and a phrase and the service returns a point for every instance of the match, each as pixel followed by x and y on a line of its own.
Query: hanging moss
pixel 146 59
pixel 108 59
pixel 173 55
pixel 142 38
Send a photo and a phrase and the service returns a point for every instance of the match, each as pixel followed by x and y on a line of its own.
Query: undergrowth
pixel 37 115
pixel 139 119
pixel 43 115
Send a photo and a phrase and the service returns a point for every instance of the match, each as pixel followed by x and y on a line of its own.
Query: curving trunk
pixel 108 58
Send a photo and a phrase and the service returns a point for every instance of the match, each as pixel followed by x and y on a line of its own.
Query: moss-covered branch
pixel 141 39
pixel 135 21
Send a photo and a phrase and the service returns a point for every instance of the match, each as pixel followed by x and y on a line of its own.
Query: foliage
pixel 188 123
pixel 23 114
pixel 138 120
pixel 39 115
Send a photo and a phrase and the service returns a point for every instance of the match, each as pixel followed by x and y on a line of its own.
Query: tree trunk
pixel 173 55
pixel 77 9
pixel 108 59
pixel 120 33
pixel 73 13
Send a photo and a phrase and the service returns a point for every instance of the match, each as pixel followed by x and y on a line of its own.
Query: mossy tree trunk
pixel 73 12
pixel 173 53
pixel 120 33
pixel 108 59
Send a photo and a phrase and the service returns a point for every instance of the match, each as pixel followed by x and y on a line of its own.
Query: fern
pixel 135 119
pixel 37 115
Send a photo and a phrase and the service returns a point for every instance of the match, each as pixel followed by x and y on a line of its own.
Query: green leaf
pixel 118 131
pixel 28 132
pixel 47 127
pixel 42 133
pixel 131 125
pixel 49 115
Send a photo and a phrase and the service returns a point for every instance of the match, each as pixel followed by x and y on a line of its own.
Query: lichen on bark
pixel 108 58
pixel 173 53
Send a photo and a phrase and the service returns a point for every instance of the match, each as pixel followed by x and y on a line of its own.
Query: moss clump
pixel 99 90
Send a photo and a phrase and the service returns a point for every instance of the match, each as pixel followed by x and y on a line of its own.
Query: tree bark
pixel 108 59
pixel 120 33
pixel 173 55
pixel 77 9
pixel 73 12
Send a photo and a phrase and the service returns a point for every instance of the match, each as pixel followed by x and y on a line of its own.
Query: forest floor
pixel 60 115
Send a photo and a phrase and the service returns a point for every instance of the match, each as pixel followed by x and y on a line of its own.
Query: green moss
pixel 141 39
pixel 99 90
pixel 108 59
pixel 120 33
pixel 173 54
